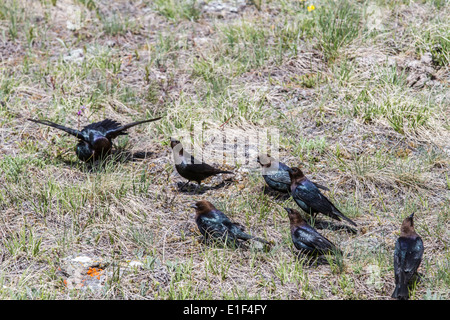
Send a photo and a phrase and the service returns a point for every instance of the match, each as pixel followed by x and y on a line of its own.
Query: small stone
pixel 85 260
pixel 135 263
pixel 426 58
pixel 110 43
pixel 76 55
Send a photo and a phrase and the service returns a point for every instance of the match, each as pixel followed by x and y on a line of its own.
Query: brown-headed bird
pixel 306 239
pixel 310 199
pixel 407 258
pixel 95 140
pixel 276 174
pixel 190 168
pixel 214 224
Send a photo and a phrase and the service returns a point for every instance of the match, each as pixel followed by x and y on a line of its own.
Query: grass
pixel 356 103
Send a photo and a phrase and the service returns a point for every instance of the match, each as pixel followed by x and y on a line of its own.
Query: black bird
pixel 310 199
pixel 276 174
pixel 95 140
pixel 189 167
pixel 407 258
pixel 306 238
pixel 214 224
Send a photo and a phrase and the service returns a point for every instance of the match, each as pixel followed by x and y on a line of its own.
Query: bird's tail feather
pixel 261 240
pixel 341 215
pixel 223 171
pixel 349 220
pixel 400 292
pixel 245 236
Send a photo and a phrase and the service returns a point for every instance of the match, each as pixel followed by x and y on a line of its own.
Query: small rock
pixel 76 55
pixel 222 7
pixel 84 260
pixel 73 22
pixel 83 272
pixel 135 263
pixel 110 43
pixel 426 58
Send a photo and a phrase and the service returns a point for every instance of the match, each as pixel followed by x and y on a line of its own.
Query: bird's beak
pixel 412 215
pixel 288 209
pixel 289 170
pixel 194 206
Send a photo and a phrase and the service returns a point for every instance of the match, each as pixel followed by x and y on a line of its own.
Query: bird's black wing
pixel 397 258
pixel 280 177
pixel 113 132
pixel 216 223
pixel 413 256
pixel 312 239
pixel 73 132
pixel 196 167
pixel 311 196
pixel 103 126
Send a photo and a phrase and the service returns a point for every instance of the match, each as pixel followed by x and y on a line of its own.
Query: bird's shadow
pixel 115 157
pixel 313 260
pixel 233 245
pixel 320 224
pixel 212 242
pixel 191 188
pixel 122 156
pixel 275 194
pixel 139 155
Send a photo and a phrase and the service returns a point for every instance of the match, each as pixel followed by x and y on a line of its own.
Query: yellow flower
pixel 311 8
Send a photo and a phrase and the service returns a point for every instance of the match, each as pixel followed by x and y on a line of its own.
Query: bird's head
pixel 296 174
pixel 408 225
pixel 264 160
pixel 174 142
pixel 203 207
pixel 294 217
pixel 176 146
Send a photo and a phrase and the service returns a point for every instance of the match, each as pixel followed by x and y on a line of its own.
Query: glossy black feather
pixel 95 138
pixel 306 238
pixel 311 200
pixel 190 168
pixel 78 134
pixel 213 223
pixel 408 254
pixel 278 177
pixel 276 174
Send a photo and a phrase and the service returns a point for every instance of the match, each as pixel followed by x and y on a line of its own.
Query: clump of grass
pixel 13 11
pixel 247 43
pixel 338 24
pixel 178 9
pixel 116 24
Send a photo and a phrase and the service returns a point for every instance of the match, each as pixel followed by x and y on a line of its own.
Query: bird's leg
pixel 199 185
pixel 184 185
